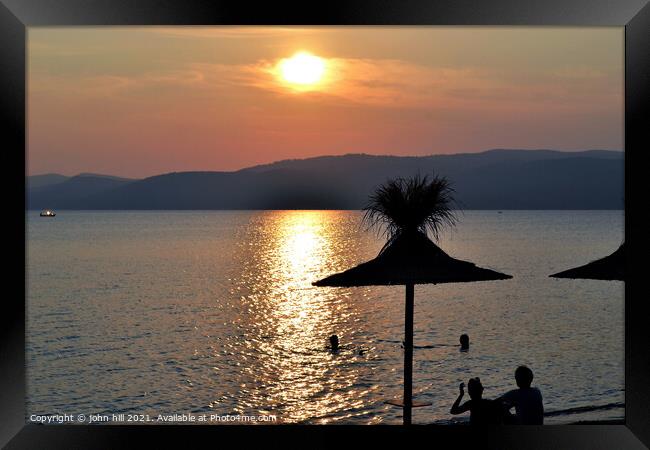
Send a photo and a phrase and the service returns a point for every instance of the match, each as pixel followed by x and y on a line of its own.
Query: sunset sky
pixel 140 101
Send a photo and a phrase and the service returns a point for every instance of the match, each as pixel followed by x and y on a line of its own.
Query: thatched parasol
pixel 611 267
pixel 410 257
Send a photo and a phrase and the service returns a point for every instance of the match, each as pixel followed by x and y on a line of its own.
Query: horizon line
pixel 327 156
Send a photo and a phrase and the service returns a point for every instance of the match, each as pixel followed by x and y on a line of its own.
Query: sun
pixel 303 69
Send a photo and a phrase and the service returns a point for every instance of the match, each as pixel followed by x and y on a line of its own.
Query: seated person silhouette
pixel 334 343
pixel 526 400
pixel 464 342
pixel 481 411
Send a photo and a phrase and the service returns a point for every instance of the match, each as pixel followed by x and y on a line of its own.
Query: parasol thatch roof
pixel 411 259
pixel 611 267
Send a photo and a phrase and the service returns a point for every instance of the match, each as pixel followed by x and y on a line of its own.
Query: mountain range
pixel 494 179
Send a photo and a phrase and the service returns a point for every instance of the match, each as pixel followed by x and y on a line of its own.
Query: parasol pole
pixel 408 353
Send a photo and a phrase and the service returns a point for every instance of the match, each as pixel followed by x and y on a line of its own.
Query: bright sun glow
pixel 302 69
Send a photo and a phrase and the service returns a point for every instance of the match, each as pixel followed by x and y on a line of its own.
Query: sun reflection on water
pixel 288 321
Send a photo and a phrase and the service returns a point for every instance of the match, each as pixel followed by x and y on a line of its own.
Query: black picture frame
pixel 16 15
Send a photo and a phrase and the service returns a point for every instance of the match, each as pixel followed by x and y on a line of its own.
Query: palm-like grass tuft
pixel 405 205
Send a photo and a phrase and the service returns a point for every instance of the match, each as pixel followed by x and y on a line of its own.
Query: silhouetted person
pixel 464 342
pixel 334 343
pixel 481 411
pixel 526 400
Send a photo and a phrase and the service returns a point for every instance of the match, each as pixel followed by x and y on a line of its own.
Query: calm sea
pixel 165 312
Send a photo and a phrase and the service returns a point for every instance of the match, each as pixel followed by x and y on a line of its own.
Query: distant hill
pixel 99 175
pixel 496 179
pixel 47 179
pixel 71 191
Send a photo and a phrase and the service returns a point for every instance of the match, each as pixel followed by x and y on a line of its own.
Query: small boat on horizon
pixel 47 213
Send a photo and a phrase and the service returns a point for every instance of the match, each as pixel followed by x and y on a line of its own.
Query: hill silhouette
pixel 496 179
pixel 70 190
pixel 46 179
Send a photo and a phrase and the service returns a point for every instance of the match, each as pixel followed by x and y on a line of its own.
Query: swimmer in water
pixel 464 342
pixel 334 343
